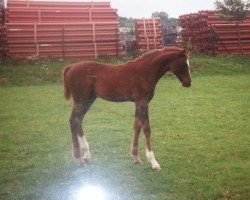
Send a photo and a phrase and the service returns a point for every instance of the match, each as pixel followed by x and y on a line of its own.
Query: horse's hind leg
pixel 137 130
pixel 75 125
pixel 76 118
pixel 84 146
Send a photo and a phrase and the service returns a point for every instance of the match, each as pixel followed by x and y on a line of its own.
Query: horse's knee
pixel 74 132
pixel 146 130
pixel 73 121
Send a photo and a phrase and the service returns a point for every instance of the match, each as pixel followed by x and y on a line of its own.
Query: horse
pixel 132 81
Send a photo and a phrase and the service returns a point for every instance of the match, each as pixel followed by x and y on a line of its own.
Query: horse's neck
pixel 161 70
pixel 154 69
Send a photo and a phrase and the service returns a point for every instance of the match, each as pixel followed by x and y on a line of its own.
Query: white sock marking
pixel 84 147
pixel 151 158
pixel 188 67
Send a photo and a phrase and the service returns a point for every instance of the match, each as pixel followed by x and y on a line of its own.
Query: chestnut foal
pixel 133 81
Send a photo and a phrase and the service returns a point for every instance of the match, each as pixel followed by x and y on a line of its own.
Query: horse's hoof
pixel 136 160
pixel 156 168
pixel 86 160
pixel 81 164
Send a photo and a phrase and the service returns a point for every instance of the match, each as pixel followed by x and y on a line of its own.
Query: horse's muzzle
pixel 186 84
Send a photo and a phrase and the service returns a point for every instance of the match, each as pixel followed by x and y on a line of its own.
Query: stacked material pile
pixel 207 33
pixel 148 33
pixel 62 29
pixel 2 35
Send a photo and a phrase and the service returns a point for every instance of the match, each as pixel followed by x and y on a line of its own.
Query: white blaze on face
pixel 188 66
pixel 188 63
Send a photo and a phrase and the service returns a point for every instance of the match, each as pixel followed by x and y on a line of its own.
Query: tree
pixel 163 17
pixel 166 22
pixel 126 22
pixel 233 10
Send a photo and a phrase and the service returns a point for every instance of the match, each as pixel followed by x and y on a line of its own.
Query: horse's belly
pixel 116 99
pixel 114 92
pixel 115 96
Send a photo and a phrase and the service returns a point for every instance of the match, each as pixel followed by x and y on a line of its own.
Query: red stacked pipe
pixel 2 30
pixel 62 15
pixel 62 29
pixel 47 4
pixel 148 33
pixel 1 23
pixel 209 34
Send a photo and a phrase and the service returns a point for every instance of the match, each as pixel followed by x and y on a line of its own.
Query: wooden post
pixel 239 38
pixel 35 34
pixel 63 47
pixel 117 44
pixel 154 32
pixel 94 39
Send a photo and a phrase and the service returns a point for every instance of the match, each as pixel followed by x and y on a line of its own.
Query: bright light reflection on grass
pixel 91 192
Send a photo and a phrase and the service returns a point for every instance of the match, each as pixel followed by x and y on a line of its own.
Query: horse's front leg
pixel 143 109
pixel 137 130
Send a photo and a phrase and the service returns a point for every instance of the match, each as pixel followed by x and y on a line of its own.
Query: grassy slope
pixel 200 137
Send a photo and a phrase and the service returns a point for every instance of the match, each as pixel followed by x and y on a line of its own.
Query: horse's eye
pixel 182 69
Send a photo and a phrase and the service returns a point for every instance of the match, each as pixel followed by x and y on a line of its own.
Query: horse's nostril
pixel 186 84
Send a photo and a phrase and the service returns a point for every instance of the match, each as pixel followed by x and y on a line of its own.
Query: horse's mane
pixel 154 52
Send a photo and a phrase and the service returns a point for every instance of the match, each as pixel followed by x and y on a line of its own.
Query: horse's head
pixel 180 67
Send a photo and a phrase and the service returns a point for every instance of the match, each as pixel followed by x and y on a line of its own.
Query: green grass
pixel 200 136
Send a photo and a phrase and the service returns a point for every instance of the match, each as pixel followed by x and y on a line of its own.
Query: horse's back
pixel 85 66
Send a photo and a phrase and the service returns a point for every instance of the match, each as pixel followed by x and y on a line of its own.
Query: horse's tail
pixel 67 94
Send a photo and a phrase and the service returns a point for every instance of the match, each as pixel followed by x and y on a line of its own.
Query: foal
pixel 133 81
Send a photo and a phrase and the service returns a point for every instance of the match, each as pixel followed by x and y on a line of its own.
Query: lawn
pixel 200 136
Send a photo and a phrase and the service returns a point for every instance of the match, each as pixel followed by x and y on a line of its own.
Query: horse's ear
pixel 185 52
pixel 188 53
